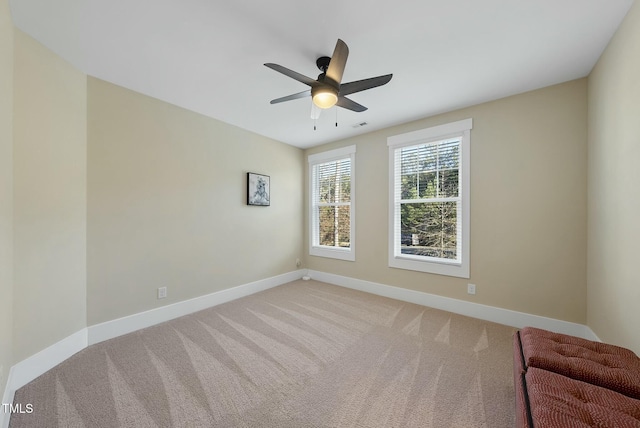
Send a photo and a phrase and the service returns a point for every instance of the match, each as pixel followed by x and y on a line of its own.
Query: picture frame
pixel 258 189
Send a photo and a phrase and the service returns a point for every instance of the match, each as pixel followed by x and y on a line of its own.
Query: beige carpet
pixel 305 354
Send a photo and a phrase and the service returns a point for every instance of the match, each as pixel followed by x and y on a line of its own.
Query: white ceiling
pixel 208 55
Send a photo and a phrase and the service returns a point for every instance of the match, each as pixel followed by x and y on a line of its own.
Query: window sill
pixel 447 269
pixel 333 253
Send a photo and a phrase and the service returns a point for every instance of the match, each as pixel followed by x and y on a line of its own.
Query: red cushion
pixel 558 401
pixel 597 363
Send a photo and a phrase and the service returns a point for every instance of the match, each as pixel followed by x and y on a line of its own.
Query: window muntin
pixel 429 199
pixel 331 204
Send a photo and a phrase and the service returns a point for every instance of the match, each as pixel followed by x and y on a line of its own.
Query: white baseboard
pixel 474 310
pixel 27 370
pixel 110 329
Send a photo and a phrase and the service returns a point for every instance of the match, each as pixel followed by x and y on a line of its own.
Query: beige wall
pixel 167 204
pixel 6 193
pixel 614 188
pixel 49 198
pixel 528 205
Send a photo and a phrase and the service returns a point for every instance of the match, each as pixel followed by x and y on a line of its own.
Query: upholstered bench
pixel 560 401
pixel 596 375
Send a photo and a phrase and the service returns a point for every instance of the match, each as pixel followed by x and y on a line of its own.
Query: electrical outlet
pixel 162 292
pixel 471 288
pixel 298 262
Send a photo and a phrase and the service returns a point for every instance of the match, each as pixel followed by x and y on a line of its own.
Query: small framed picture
pixel 258 189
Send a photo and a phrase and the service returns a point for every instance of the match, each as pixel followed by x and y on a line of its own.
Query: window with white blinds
pixel 429 199
pixel 331 180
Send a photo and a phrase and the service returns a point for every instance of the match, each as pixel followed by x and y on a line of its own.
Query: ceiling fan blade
pixel 302 94
pixel 338 62
pixel 345 102
pixel 293 74
pixel 363 85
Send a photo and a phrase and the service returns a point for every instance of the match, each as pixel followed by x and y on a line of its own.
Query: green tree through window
pixel 429 199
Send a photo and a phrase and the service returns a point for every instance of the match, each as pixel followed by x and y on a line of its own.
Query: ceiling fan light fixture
pixel 324 97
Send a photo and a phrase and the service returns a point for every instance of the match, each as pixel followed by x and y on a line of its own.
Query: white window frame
pixel 461 129
pixel 315 249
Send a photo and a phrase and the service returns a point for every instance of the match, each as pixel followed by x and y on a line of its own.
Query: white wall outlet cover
pixel 162 292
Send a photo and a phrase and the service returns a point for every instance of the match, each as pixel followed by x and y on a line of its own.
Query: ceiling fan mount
pixel 328 90
pixel 323 63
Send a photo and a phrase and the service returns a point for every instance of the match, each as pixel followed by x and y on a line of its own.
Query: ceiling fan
pixel 328 90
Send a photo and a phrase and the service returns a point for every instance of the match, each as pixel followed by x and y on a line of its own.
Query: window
pixel 331 180
pixel 429 199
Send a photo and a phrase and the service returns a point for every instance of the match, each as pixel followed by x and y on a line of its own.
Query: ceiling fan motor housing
pixel 325 95
pixel 323 65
